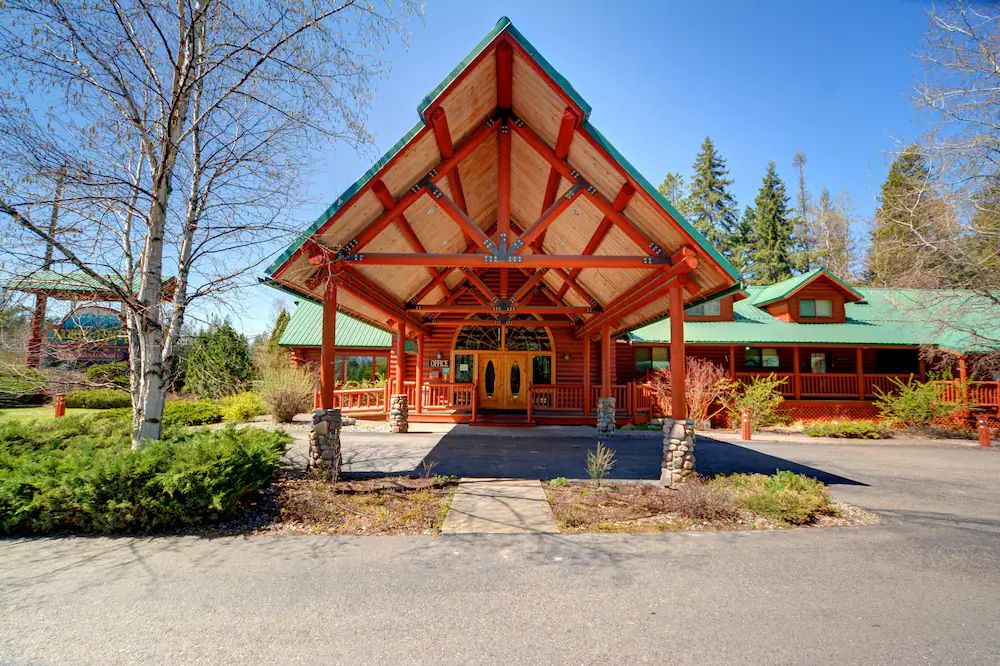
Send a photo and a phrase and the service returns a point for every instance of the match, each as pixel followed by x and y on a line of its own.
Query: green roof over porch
pixel 305 329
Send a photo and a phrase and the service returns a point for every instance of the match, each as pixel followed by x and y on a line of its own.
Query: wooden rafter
pixel 505 99
pixel 439 123
pixel 567 127
pixel 599 200
pixel 536 247
pixel 445 167
pixel 550 215
pixel 625 195
pixel 538 260
pixel 481 286
pixel 525 309
pixel 389 203
pixel 528 285
pixel 362 291
pixel 465 223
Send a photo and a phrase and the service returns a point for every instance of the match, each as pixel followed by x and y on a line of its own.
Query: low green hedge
pixel 98 399
pixel 78 475
pixel 784 497
pixel 848 429
pixel 242 407
pixel 192 412
pixel 21 387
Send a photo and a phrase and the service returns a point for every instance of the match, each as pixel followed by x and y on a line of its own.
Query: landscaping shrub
pixel 98 399
pixel 848 429
pixel 286 391
pixel 81 477
pixel 219 363
pixel 913 404
pixel 705 387
pixel 784 497
pixel 108 374
pixel 761 395
pixel 699 501
pixel 191 412
pixel 599 462
pixel 242 407
pixel 21 386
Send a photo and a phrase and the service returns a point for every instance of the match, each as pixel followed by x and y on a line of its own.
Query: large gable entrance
pixel 504 203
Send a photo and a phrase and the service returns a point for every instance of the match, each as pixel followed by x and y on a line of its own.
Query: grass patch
pixel 390 505
pixel 734 502
pixel 848 429
pixel 783 497
pixel 38 413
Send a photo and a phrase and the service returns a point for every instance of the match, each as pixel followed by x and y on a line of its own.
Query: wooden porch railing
pixel 557 398
pixel 447 396
pixel 829 385
pixel 360 400
pixel 787 385
pixel 876 385
pixel 974 394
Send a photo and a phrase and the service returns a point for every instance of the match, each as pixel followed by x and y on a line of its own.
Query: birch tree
pixel 185 129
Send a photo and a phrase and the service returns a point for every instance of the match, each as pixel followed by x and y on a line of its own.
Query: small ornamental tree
pixel 761 395
pixel 219 363
pixel 705 388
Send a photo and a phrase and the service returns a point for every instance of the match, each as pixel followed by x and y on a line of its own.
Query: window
pixel 710 309
pixel 381 367
pixel 463 368
pixel 809 308
pixel 648 359
pixel 541 370
pixel 762 358
pixel 817 361
pixel 358 368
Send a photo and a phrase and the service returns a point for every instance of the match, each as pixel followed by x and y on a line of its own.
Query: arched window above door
pixel 494 338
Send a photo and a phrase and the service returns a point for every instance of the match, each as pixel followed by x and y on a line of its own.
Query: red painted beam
pixel 370 293
pixel 481 286
pixel 525 309
pixel 328 346
pixel 505 75
pixel 624 195
pixel 535 278
pixel 442 133
pixel 548 217
pixel 566 129
pixel 468 227
pixel 552 261
pixel 458 323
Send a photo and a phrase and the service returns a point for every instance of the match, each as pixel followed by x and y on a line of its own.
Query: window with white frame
pixel 710 309
pixel 810 307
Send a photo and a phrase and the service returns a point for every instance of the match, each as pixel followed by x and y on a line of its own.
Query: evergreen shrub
pixel 98 399
pixel 242 407
pixel 848 429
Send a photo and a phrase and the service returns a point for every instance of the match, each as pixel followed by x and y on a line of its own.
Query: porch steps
pixel 505 421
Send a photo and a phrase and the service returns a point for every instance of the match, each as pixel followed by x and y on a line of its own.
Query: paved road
pixel 923 587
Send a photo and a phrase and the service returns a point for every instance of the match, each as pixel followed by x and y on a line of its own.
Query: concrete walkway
pixel 493 506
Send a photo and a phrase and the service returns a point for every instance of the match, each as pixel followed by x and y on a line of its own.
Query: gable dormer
pixel 816 297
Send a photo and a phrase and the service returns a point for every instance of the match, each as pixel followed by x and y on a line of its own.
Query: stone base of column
pixel 606 417
pixel 399 413
pixel 324 444
pixel 678 451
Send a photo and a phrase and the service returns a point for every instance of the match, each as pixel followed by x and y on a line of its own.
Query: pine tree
pixel 805 251
pixel 910 214
pixel 773 231
pixel 713 209
pixel 742 245
pixel 280 324
pixel 677 192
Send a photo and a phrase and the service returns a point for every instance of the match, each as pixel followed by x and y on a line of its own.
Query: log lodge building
pixel 503 263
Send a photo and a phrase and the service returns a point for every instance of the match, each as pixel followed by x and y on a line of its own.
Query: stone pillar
pixel 678 451
pixel 324 443
pixel 399 417
pixel 606 417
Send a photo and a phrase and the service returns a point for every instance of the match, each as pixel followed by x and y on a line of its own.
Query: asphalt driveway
pixel 922 587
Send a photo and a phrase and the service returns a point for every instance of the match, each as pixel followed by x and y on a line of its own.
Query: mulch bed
pixel 389 505
pixel 634 507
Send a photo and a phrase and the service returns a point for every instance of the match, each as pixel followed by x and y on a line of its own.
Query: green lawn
pixel 28 413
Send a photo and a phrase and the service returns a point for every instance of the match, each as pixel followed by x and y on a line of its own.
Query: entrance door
pixel 491 372
pixel 503 381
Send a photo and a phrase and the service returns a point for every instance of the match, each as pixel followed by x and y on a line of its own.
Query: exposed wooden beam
pixel 457 323
pixel 538 260
pixel 536 247
pixel 481 286
pixel 429 287
pixel 525 309
pixel 624 195
pixel 442 133
pixel 389 203
pixel 567 127
pixel 505 75
pixel 550 215
pixel 370 293
pixel 505 99
pixel 468 227
pixel 528 285
pixel 568 172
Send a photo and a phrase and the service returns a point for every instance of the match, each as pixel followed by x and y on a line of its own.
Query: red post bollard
pixel 747 430
pixel 315 398
pixel 984 432
pixel 60 404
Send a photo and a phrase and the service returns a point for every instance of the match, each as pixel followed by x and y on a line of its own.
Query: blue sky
pixel 763 79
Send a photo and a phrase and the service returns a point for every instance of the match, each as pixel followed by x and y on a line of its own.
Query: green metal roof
pixel 72 281
pixel 305 329
pixel 504 25
pixel 885 317
pixel 782 290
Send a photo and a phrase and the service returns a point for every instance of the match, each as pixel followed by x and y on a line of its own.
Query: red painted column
pixel 328 346
pixel 678 401
pixel 861 374
pixel 797 379
pixel 586 375
pixel 420 371
pixel 606 361
pixel 963 378
pixel 400 368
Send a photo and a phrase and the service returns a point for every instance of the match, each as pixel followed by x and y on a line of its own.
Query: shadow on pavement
pixel 717 457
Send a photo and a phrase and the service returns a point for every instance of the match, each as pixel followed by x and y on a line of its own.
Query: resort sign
pixel 89 334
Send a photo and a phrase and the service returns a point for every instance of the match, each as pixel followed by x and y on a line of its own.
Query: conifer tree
pixel 909 209
pixel 677 192
pixel 742 245
pixel 773 233
pixel 805 251
pixel 834 243
pixel 713 209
